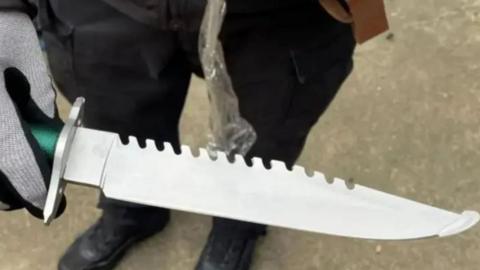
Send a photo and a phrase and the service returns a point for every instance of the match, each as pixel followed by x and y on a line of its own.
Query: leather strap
pixel 369 18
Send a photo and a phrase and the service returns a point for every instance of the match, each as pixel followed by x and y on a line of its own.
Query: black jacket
pixel 24 5
pixel 235 6
pixel 146 7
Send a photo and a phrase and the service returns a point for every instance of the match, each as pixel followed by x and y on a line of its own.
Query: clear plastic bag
pixel 230 133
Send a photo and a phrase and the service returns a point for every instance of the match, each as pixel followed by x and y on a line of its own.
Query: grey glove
pixel 26 96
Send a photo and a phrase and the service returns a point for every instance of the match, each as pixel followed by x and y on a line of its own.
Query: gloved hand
pixel 26 97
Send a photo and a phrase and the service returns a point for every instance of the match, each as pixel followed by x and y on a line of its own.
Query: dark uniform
pixel 133 59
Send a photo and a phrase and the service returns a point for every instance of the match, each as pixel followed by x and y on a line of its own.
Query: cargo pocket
pixel 320 73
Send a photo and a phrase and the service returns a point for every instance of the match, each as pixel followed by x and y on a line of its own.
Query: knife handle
pixel 46 137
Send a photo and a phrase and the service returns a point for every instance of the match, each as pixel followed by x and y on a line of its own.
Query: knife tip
pixel 466 221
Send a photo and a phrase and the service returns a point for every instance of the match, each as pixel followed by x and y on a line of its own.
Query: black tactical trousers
pixel 286 67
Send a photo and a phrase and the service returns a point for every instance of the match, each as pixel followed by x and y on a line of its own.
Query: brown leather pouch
pixel 369 18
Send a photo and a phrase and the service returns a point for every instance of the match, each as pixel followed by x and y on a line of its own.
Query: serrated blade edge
pixel 275 196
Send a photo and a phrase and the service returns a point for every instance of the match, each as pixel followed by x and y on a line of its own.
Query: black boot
pixel 230 245
pixel 103 245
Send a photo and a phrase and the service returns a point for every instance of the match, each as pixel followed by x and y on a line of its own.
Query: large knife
pixel 232 189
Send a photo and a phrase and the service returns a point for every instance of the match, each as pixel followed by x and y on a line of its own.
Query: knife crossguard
pixel 61 153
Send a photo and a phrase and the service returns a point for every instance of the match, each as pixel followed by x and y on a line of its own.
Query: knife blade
pixel 230 188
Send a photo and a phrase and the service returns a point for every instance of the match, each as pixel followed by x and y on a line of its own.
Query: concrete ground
pixel 406 122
